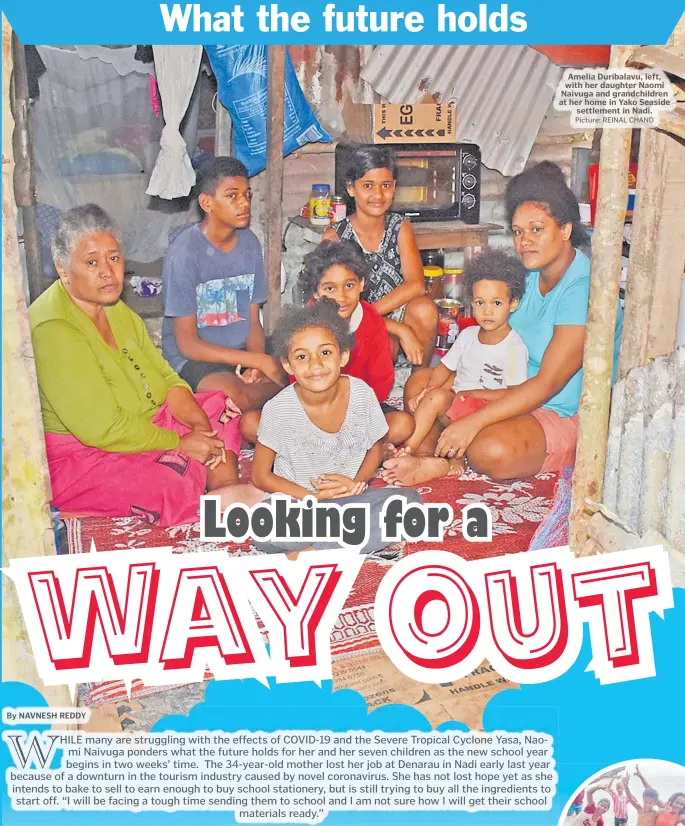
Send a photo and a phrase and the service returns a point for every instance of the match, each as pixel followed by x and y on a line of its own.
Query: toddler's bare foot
pixel 457 467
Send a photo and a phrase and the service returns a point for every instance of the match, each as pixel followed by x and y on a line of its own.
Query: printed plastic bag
pixel 241 80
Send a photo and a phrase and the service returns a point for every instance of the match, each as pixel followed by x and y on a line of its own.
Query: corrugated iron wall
pixel 327 74
pixel 644 482
pixel 502 93
pixel 554 142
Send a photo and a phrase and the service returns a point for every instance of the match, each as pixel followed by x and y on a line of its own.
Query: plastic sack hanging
pixel 241 84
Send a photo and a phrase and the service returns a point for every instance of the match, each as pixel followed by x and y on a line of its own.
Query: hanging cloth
pixel 176 69
pixel 34 69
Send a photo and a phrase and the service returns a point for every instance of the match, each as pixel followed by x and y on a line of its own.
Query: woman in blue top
pixel 532 427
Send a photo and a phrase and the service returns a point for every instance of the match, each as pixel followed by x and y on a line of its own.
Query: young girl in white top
pixel 323 435
pixel 484 360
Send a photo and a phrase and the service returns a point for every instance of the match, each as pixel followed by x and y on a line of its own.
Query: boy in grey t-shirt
pixel 214 284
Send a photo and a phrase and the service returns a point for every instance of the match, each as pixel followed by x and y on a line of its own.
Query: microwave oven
pixel 435 182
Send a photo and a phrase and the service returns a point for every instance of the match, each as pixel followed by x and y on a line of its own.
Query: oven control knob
pixel 468 181
pixel 468 161
pixel 469 200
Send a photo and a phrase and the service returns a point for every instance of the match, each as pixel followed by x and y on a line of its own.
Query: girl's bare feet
pixel 413 470
pixel 389 450
pixel 292 555
pixel 392 452
pixel 244 493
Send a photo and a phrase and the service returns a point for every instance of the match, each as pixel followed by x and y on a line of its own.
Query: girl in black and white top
pixel 395 285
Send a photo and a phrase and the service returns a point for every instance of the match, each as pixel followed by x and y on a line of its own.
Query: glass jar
pixel 320 205
pixel 432 280
pixel 453 283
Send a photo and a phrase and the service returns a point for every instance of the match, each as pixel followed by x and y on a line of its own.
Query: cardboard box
pixel 400 122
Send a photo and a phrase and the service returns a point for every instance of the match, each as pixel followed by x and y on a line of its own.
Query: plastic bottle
pixel 432 279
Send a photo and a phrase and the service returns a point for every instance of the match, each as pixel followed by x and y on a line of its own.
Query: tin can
pixel 338 210
pixel 448 322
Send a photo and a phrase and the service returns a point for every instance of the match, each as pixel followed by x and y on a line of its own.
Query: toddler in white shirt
pixel 484 360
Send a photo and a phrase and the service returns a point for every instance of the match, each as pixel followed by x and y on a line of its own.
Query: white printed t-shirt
pixel 481 366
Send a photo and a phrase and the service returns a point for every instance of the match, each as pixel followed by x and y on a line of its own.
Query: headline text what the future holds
pixel 269 18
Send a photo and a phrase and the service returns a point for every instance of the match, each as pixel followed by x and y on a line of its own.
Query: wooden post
pixel 24 172
pixel 26 522
pixel 648 198
pixel 601 320
pixel 657 252
pixel 273 211
pixel 670 254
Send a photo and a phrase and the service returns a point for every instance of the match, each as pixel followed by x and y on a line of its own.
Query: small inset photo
pixel 639 793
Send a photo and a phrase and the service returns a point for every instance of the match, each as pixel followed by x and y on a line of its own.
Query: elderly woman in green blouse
pixel 124 434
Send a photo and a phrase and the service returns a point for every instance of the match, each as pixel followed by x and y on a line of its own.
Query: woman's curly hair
pixel 544 184
pixel 323 313
pixel 496 265
pixel 330 254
